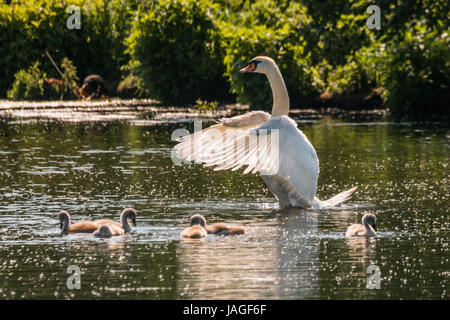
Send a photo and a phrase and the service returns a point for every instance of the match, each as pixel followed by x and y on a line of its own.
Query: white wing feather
pixel 227 145
pixel 275 147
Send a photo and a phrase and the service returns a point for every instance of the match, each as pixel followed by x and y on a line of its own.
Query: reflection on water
pixel 95 170
pixel 280 261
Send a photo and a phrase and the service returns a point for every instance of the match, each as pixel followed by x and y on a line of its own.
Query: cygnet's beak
pixel 134 222
pixel 374 226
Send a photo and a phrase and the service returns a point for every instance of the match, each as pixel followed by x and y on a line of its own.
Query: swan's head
pixel 198 219
pixel 260 64
pixel 63 217
pixel 130 214
pixel 370 220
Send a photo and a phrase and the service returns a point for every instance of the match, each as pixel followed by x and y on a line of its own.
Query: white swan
pixel 269 144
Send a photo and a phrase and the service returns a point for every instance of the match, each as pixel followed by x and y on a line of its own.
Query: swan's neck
pixel 279 92
pixel 124 221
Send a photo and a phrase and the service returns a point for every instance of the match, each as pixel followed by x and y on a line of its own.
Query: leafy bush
pixel 28 84
pixel 175 49
pixel 69 72
pixel 337 29
pixel 68 84
pixel 361 73
pixel 417 75
pixel 29 27
pixel 32 84
pixel 131 87
pixel 205 107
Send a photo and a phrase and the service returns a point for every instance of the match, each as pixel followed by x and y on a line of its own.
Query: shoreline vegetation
pixel 188 53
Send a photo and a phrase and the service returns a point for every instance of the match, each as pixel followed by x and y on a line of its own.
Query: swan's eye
pixel 251 66
pixel 255 63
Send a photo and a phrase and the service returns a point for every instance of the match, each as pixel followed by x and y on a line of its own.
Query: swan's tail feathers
pixel 338 199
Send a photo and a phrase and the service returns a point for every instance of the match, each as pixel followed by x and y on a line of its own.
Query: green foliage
pixel 69 72
pixel 361 72
pixel 29 27
pixel 417 75
pixel 204 106
pixel 179 51
pixel 28 84
pixel 132 86
pixel 337 29
pixel 409 56
pixel 32 84
pixel 175 49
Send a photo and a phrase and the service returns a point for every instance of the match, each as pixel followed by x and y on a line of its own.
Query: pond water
pixel 96 170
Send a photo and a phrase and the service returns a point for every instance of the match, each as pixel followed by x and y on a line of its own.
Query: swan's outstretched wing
pixel 231 144
pixel 263 144
pixel 275 147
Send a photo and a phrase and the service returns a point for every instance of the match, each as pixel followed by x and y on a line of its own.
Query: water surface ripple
pixel 94 171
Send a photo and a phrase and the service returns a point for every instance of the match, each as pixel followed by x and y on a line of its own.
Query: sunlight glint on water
pixel 96 171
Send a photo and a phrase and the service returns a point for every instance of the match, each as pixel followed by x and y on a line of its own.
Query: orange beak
pixel 248 68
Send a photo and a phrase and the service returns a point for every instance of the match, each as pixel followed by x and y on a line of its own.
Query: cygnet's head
pixel 103 232
pixel 130 214
pixel 198 219
pixel 260 64
pixel 63 216
pixel 370 220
